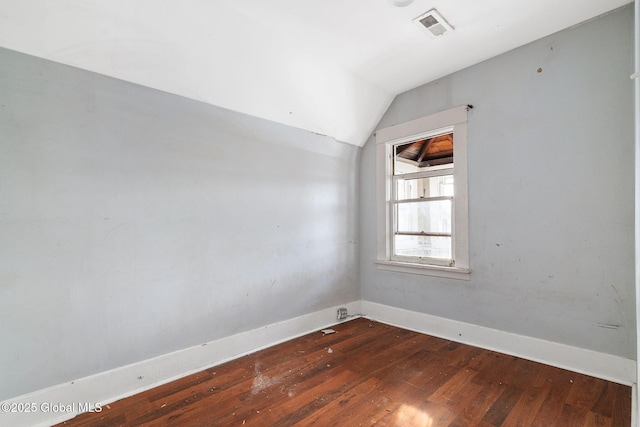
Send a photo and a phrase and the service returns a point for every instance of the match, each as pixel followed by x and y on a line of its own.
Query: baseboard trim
pixel 600 365
pixel 108 386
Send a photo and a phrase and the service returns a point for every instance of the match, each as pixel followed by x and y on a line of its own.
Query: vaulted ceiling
pixel 327 66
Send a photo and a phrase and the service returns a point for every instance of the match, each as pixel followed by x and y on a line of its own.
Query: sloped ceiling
pixel 327 66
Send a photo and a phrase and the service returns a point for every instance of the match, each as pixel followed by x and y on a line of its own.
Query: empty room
pixel 275 213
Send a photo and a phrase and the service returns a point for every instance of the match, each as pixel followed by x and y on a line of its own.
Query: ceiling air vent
pixel 432 23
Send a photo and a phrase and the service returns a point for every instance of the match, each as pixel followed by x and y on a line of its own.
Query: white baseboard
pixel 600 365
pixel 109 386
pixel 115 384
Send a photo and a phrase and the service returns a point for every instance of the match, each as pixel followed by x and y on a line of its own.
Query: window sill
pixel 425 270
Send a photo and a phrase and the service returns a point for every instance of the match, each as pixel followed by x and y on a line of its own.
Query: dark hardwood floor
pixel 368 373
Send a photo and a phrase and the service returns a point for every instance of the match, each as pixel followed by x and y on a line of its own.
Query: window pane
pixel 423 246
pixel 423 154
pixel 426 217
pixel 424 187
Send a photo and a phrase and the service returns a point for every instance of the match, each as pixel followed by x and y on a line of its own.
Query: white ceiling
pixel 327 66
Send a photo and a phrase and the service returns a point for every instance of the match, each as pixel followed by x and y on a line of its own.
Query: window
pixel 421 200
pixel 422 196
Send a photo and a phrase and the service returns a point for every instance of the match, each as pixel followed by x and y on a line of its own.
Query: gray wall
pixel 551 194
pixel 134 223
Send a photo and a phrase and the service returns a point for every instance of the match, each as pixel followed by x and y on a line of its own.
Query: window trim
pixel 454 119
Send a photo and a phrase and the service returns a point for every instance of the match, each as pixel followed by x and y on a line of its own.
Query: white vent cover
pixel 432 23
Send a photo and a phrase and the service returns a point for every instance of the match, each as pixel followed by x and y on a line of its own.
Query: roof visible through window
pixel 432 151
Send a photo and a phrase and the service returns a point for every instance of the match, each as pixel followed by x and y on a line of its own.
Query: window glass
pixel 423 246
pixel 423 154
pixel 420 188
pixel 424 217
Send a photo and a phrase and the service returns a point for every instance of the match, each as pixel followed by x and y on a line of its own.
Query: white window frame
pixel 454 120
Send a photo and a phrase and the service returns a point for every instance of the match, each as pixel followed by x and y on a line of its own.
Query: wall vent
pixel 432 23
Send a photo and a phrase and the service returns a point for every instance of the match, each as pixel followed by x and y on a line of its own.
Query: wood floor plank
pixel 476 409
pixel 606 401
pixel 571 416
pixel 369 373
pixel 585 392
pixel 499 411
pixel 622 407
pixel 496 369
pixel 527 407
pixel 298 407
pixel 560 383
pixel 352 405
pixel 451 390
pixel 593 419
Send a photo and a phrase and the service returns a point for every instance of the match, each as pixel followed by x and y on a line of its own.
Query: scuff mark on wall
pixel 606 325
pixel 112 231
pixel 618 300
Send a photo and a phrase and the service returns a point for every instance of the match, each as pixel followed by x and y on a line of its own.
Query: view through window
pixel 422 199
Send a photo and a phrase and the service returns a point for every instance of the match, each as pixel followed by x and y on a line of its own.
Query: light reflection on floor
pixel 410 416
